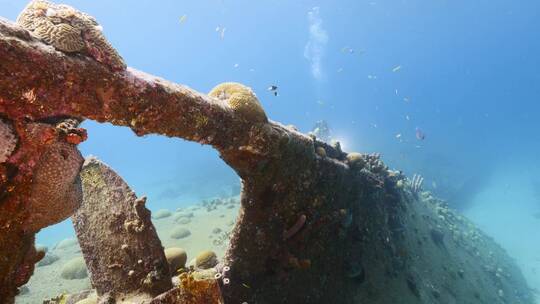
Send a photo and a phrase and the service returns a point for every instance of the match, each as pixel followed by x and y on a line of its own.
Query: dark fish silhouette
pixel 420 135
pixel 273 88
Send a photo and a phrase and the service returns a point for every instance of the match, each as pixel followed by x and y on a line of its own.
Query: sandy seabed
pixel 209 228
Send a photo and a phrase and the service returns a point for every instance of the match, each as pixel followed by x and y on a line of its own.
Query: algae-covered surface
pixel 439 205
pixel 203 224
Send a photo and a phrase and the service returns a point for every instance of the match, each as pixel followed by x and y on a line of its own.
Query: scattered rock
pixel 183 214
pixel 41 247
pixel 230 206
pixel 48 259
pixel 79 297
pixel 23 290
pixel 180 233
pixel 89 300
pixel 74 269
pixel 206 259
pixel 160 214
pixel 183 220
pixel 176 257
pixel 66 243
pixel 216 230
pixel 230 223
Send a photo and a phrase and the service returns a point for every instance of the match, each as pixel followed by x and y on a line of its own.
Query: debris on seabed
pixel 396 68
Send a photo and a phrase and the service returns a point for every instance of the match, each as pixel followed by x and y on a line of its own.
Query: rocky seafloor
pixel 431 229
pixel 196 228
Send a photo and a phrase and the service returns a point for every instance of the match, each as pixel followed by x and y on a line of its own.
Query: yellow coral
pixel 206 259
pixel 356 160
pixel 241 99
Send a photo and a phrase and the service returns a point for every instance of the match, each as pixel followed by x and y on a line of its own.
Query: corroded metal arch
pixel 313 227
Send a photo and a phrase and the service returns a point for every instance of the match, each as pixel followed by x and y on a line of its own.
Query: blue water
pixel 466 73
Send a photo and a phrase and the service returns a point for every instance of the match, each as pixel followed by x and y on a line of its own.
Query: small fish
pixel 183 19
pixel 273 88
pixel 396 68
pixel 406 99
pixel 372 77
pixel 236 65
pixel 398 136
pixel 347 50
pixel 222 35
pixel 420 135
pixel 407 117
pixel 340 70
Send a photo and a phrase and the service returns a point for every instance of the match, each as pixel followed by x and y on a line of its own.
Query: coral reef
pixel 56 180
pixel 69 30
pixel 117 238
pixel 192 291
pixel 206 259
pixel 39 187
pixel 358 236
pixel 176 257
pixel 241 99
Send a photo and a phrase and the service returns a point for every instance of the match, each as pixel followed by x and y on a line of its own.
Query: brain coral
pixel 69 30
pixel 8 140
pixel 241 99
pixel 56 190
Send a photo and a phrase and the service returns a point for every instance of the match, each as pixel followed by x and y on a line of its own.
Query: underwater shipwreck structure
pixel 316 224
